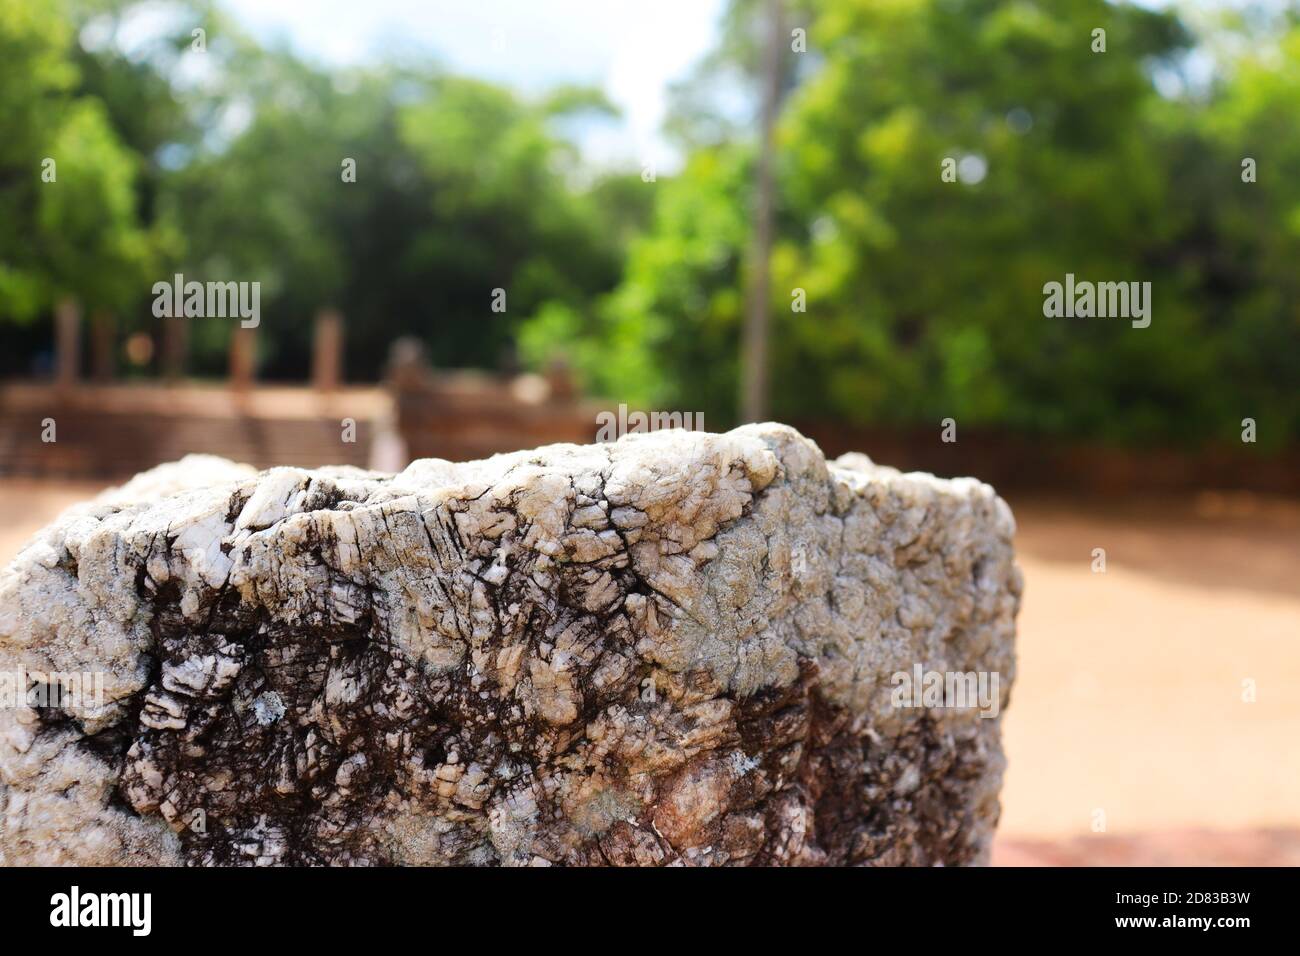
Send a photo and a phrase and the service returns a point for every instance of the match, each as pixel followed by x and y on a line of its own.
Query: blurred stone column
pixel 67 343
pixel 327 352
pixel 559 376
pixel 103 345
pixel 243 359
pixel 175 345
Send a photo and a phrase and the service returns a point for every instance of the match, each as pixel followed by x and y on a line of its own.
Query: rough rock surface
pixel 676 648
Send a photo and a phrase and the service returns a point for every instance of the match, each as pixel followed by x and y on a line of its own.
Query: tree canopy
pixel 938 162
pixel 924 297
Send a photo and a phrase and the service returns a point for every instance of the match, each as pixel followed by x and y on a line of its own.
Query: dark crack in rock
pixel 674 649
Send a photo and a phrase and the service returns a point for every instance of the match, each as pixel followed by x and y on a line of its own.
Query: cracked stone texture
pixel 676 648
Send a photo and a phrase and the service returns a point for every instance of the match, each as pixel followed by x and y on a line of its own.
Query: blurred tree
pixel 754 360
pixel 460 188
pixel 227 163
pixel 924 297
pixel 1237 151
pixel 67 182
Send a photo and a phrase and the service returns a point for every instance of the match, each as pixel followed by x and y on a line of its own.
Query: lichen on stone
pixel 672 649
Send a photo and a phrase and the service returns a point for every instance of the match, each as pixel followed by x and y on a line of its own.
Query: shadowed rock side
pixel 672 649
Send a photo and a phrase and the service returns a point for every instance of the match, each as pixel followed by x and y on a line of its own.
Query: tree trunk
pixel 754 371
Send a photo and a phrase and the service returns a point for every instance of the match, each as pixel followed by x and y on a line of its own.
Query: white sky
pixel 629 48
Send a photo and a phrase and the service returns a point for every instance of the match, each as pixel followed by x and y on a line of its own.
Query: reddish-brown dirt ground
pixel 1129 697
pixel 1128 705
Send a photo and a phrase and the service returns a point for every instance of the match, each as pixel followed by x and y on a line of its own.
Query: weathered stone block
pixel 681 647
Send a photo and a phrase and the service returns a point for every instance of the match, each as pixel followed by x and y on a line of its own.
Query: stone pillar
pixel 327 351
pixel 243 359
pixel 559 376
pixel 103 345
pixel 175 345
pixel 408 364
pixel 67 343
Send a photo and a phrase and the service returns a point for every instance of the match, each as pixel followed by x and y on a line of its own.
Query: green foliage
pixel 461 188
pixel 79 232
pixel 668 334
pixel 924 297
